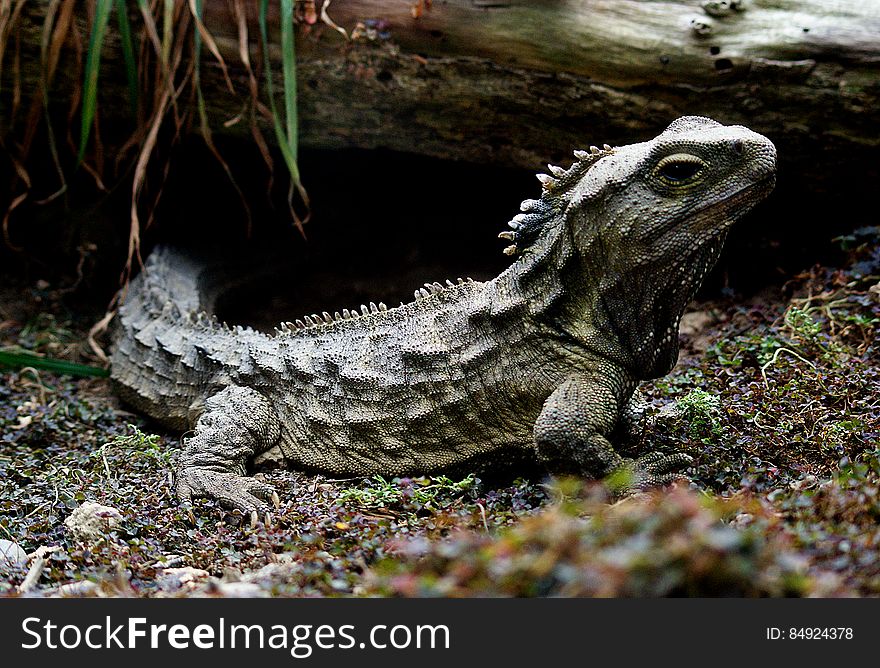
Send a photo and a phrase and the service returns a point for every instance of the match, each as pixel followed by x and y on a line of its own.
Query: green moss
pixel 416 493
pixel 702 411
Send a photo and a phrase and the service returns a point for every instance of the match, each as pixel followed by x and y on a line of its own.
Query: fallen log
pixel 523 82
pixel 486 80
pixel 517 83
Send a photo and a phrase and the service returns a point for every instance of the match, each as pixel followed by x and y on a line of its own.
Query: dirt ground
pixel 777 398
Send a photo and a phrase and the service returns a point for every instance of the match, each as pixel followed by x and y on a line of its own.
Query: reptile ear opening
pixel 679 169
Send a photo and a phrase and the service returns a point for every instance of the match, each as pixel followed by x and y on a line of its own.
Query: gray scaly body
pixel 542 361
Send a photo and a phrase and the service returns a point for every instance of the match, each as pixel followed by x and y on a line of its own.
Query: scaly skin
pixel 542 361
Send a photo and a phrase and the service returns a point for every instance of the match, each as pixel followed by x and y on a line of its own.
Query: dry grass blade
pixel 22 174
pixel 96 171
pixel 168 96
pixel 101 326
pixel 195 7
pixel 9 17
pixel 54 35
pixel 150 26
pixel 140 175
pixel 165 79
pixel 325 17
pixel 167 30
pixel 59 37
pixel 16 80
pixel 253 87
pixel 202 35
pixel 76 44
pixel 180 121
pixel 5 27
pixel 8 20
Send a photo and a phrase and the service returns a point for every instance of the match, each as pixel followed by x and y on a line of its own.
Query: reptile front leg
pixel 237 423
pixel 571 433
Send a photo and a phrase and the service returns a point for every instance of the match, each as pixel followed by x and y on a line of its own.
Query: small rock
pixel 24 421
pixel 82 588
pixel 11 554
pixel 275 574
pixel 807 482
pixel 669 411
pixel 695 322
pixel 273 458
pixel 92 521
pixel 240 590
pixel 185 577
pixel 742 520
pixel 186 573
pixel 168 561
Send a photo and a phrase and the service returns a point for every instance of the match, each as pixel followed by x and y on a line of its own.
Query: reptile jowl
pixel 541 362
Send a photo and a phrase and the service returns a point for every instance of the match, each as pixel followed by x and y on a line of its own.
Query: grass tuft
pixel 160 44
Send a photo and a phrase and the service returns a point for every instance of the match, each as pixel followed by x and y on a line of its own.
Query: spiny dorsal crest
pixel 436 288
pixel 527 226
pixel 323 319
pixel 205 322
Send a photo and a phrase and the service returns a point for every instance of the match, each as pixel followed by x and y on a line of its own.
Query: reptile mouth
pixel 705 217
pixel 752 194
pixel 765 185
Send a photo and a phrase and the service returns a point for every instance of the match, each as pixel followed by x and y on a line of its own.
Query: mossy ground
pixel 777 399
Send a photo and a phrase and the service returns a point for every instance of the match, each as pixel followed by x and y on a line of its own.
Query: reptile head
pixel 670 196
pixel 634 230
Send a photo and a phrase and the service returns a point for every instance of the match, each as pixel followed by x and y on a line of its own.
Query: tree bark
pixel 523 82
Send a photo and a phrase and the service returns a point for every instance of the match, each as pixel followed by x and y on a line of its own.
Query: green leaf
pixel 286 141
pixel 128 54
pixel 93 65
pixel 288 71
pixel 19 359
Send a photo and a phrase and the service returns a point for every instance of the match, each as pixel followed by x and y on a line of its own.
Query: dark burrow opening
pixel 385 223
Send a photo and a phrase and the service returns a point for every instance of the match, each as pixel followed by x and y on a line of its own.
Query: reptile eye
pixel 679 169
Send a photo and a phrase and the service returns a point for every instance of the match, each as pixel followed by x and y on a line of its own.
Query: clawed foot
pixel 655 469
pixel 236 492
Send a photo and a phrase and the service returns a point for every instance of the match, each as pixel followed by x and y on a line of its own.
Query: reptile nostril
pixel 739 146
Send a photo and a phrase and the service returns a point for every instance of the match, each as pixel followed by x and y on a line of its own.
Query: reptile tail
pixel 167 350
